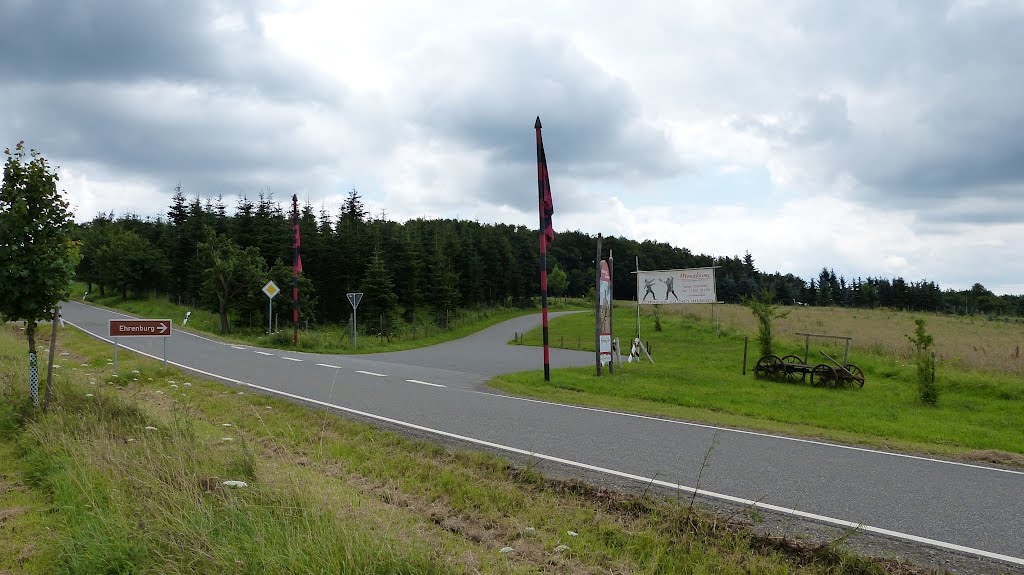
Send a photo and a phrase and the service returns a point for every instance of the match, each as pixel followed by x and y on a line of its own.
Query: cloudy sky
pixel 875 138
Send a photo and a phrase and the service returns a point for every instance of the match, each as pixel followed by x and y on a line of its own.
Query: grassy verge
pixel 132 467
pixel 698 376
pixel 318 339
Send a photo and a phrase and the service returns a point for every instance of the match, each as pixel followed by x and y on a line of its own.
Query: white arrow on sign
pixel 354 299
pixel 162 328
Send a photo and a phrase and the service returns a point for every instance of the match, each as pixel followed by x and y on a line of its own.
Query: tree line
pixel 421 270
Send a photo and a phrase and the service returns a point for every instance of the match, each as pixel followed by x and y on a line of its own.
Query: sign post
pixel 118 328
pixel 271 290
pixel 354 299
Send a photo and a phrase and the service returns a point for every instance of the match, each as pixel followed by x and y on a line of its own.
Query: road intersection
pixel 440 391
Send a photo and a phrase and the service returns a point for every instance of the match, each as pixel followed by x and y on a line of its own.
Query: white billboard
pixel 694 285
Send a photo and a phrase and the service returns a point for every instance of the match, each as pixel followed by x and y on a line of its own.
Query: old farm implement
pixel 796 369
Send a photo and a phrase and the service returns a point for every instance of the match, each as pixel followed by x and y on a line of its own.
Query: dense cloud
pixel 905 114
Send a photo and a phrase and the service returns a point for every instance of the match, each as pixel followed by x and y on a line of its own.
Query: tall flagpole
pixel 544 193
pixel 295 269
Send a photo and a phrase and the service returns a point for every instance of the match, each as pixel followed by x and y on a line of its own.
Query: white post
pixel 270 315
pixel 115 355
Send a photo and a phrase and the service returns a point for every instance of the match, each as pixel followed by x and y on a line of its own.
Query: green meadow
pixel 698 376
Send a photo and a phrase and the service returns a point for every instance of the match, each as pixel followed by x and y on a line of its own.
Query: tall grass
pixel 967 342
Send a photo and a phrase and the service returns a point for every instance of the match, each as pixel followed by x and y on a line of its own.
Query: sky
pixel 874 138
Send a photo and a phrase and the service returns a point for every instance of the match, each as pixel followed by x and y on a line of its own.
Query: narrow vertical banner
pixel 612 352
pixel 604 326
pixel 597 305
pixel 547 235
pixel 296 268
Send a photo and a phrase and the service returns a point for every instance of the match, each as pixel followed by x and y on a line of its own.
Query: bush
pixel 925 361
pixel 765 311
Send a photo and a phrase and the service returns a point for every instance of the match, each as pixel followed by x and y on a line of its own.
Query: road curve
pixel 969 509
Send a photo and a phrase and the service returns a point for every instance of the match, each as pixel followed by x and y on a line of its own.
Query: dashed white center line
pixel 290 358
pixel 425 383
pixel 371 373
pixel 329 365
pixel 264 353
pixel 237 347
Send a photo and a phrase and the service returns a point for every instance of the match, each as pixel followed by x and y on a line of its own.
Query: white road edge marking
pixel 587 466
pixel 262 352
pixel 746 432
pixel 238 347
pixel 291 358
pixel 371 373
pixel 425 383
pixel 329 365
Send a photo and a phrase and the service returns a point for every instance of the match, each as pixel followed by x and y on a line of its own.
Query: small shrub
pixel 765 311
pixel 925 362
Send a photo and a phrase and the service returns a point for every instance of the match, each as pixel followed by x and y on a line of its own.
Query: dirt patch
pixel 994 456
pixel 6 514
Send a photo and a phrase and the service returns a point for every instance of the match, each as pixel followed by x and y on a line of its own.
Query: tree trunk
pixel 223 308
pixel 124 292
pixel 30 333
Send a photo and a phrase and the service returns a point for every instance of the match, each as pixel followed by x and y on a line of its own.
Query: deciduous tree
pixel 37 253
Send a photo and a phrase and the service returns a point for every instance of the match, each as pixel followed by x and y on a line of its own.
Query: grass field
pixel 318 339
pixel 698 376
pixel 971 343
pixel 125 475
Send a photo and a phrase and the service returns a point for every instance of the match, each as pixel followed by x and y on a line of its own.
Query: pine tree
pixel 379 306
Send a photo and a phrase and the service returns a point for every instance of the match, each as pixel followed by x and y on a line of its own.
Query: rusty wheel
pixel 823 376
pixel 792 375
pixel 769 367
pixel 856 375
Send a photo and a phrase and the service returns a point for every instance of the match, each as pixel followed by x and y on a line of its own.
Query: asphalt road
pixel 440 390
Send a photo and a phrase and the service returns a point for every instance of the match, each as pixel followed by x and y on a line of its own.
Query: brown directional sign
pixel 140 327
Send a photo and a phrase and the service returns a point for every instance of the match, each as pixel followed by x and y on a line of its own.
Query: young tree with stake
pixel 37 253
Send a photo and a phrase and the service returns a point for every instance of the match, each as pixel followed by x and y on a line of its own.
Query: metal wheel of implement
pixel 856 375
pixel 793 376
pixel 823 375
pixel 769 367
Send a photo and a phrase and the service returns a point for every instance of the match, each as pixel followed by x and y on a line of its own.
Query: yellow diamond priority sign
pixel 271 289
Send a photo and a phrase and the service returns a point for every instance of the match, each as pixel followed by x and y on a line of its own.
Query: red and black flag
pixel 547 208
pixel 296 268
pixel 547 234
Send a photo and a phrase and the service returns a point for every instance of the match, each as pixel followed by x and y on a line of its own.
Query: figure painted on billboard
pixel 670 287
pixel 649 289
